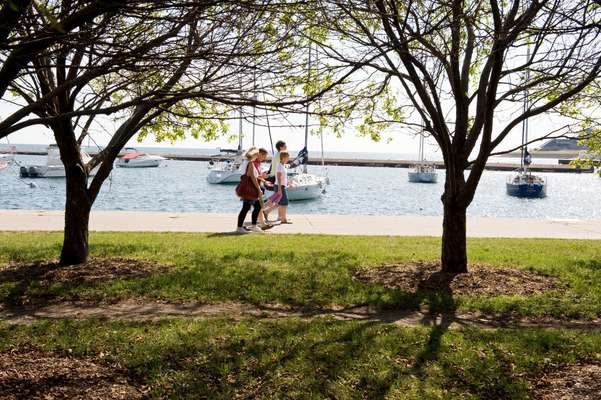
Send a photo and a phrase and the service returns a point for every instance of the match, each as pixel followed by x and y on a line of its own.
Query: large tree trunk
pixel 77 216
pixel 454 249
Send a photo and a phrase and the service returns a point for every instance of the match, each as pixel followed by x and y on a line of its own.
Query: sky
pixel 402 140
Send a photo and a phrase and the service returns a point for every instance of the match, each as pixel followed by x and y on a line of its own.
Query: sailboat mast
pixel 307 109
pixel 525 110
pixel 240 132
pixel 254 107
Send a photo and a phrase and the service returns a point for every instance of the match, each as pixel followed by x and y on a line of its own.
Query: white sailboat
pixel 54 167
pixel 423 171
pixel 224 169
pixel 303 185
pixel 524 183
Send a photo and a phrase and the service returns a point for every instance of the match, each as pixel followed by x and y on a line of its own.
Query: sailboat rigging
pixel 524 183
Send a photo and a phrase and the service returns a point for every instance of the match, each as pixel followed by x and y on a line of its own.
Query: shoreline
pixel 562 166
pixel 319 224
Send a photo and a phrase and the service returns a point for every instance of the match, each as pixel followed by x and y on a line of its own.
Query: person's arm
pixel 280 177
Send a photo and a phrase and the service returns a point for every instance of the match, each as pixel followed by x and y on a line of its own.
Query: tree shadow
pixel 442 313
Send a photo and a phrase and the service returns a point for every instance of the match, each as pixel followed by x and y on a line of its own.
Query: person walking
pixel 249 191
pixel 281 185
pixel 280 146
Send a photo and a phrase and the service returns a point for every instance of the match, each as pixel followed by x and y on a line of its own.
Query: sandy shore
pixel 29 220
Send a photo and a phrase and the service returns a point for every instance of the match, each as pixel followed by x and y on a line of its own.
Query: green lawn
pixel 292 358
pixel 310 271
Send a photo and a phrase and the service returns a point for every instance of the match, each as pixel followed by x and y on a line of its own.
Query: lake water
pixel 181 186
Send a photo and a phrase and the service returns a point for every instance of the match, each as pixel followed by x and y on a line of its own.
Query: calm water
pixel 181 186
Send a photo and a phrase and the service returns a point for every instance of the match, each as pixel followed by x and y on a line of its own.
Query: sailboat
pixel 303 185
pixel 524 183
pixel 423 172
pixel 224 169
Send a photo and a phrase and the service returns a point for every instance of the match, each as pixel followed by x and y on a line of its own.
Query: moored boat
pixel 423 172
pixel 54 167
pixel 136 159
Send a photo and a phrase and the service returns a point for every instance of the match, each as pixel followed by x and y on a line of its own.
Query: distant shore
pixel 563 166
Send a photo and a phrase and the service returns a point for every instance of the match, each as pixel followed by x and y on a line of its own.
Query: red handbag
pixel 246 189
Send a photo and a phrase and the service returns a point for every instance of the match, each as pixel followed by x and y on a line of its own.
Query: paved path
pixel 23 220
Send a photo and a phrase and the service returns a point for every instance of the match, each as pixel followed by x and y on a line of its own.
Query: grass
pixel 292 358
pixel 310 271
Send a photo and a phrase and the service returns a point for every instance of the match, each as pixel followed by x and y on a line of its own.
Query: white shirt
pixel 282 169
pixel 275 162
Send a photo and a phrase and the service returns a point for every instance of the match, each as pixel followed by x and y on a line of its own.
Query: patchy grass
pixel 309 271
pixel 293 358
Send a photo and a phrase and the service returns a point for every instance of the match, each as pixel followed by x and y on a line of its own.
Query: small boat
pixel 304 186
pixel 7 159
pixel 224 168
pixel 423 172
pixel 135 159
pixel 525 184
pixel 225 171
pixel 54 167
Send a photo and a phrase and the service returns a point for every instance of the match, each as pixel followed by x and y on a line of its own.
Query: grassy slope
pixel 291 358
pixel 312 271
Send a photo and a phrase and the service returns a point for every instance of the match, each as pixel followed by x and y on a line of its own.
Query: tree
pixel 463 66
pixel 47 22
pixel 156 65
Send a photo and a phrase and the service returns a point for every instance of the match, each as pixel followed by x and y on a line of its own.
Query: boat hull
pixel 43 171
pixel 526 190
pixel 149 163
pixel 423 177
pixel 302 192
pixel 223 177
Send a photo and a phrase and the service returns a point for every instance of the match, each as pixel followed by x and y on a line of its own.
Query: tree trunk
pixel 77 216
pixel 454 249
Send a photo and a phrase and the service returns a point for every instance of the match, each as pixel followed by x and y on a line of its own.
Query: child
pixel 280 197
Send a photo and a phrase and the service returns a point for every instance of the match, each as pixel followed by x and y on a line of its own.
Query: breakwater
pixel 563 166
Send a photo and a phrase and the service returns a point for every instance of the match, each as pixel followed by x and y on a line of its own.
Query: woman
pixel 249 170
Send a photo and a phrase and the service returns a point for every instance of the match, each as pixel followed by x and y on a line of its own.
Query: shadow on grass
pixel 441 314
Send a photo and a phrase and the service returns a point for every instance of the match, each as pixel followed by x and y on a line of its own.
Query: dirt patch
pixel 35 374
pixel 480 280
pixel 95 270
pixel 570 382
pixel 31 280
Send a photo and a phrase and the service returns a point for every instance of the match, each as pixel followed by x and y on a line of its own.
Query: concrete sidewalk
pixel 25 220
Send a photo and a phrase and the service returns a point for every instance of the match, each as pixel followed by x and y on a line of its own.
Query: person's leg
pixel 282 210
pixel 243 212
pixel 256 211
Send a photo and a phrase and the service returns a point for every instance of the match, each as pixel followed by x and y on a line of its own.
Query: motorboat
pixel 423 171
pixel 136 159
pixel 525 184
pixel 54 167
